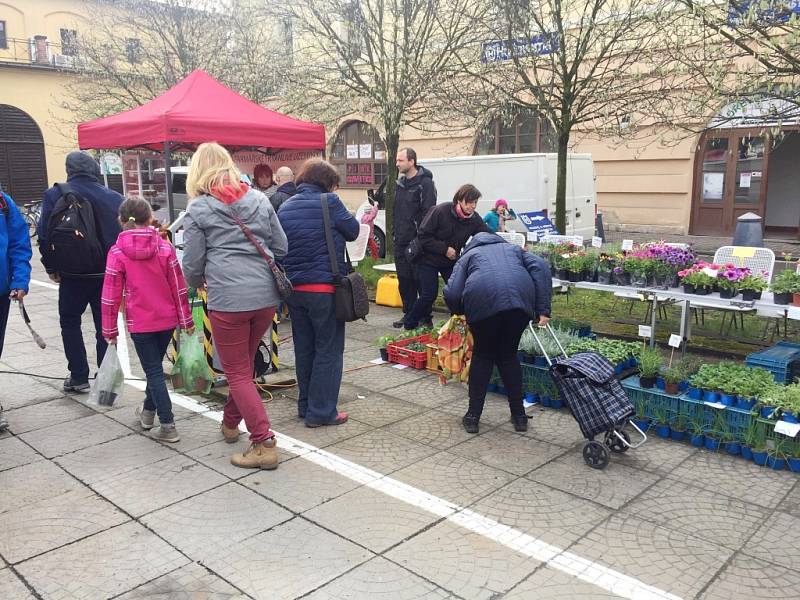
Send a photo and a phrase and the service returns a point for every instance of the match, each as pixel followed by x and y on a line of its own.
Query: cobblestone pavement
pixel 399 503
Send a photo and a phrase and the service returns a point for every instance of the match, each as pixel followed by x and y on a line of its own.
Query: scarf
pixel 228 193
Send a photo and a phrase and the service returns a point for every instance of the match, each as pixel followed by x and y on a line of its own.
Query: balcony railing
pixel 38 51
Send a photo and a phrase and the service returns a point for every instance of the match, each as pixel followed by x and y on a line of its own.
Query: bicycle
pixel 32 212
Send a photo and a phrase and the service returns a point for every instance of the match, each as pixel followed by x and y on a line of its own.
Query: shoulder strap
pixel 253 239
pixel 326 218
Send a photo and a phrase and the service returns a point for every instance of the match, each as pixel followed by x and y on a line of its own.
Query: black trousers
pixel 407 278
pixel 74 295
pixel 496 343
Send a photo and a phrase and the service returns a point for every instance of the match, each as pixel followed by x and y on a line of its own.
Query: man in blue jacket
pixel 76 293
pixel 15 265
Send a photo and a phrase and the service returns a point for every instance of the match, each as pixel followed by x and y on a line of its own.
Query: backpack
pixel 73 238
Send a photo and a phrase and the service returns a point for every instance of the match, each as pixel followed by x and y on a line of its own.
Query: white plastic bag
pixel 107 387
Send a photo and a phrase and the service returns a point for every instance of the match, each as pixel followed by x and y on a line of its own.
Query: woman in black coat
pixel 443 233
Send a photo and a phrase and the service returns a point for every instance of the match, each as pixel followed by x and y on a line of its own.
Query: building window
pixel 360 155
pixel 525 132
pixel 133 50
pixel 3 40
pixel 69 42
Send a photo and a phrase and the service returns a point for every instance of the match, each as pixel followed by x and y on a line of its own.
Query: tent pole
pixel 168 175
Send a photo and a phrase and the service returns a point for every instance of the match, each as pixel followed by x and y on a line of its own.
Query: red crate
pixel 417 360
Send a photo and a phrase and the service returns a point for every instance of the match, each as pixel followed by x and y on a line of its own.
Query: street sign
pixel 537 223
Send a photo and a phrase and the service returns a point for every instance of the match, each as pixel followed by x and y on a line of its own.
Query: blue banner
pixel 538 223
pixel 763 11
pixel 500 50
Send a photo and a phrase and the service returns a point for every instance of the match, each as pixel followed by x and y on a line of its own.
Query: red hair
pixel 262 169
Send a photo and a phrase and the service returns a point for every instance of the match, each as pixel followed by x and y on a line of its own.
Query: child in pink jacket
pixel 368 218
pixel 143 267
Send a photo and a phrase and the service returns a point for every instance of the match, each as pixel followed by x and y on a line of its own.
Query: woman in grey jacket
pixel 241 290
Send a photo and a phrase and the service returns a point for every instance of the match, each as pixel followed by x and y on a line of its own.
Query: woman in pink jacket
pixel 144 267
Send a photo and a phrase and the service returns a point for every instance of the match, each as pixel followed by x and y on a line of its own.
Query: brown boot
pixel 231 435
pixel 261 455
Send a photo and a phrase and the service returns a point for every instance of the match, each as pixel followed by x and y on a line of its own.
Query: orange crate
pixel 433 358
pixel 411 358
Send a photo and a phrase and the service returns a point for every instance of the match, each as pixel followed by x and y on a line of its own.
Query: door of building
pixel 23 171
pixel 730 179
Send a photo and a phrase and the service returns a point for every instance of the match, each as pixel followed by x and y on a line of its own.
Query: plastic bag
pixel 110 380
pixel 190 373
pixel 454 349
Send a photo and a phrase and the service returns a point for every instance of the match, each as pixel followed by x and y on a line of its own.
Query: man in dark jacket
pixel 414 197
pixel 442 235
pixel 284 178
pixel 499 288
pixel 75 293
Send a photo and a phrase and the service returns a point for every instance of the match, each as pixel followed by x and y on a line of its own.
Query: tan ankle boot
pixel 262 455
pixel 231 435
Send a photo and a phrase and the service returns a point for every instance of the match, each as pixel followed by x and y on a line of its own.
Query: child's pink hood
pixel 139 244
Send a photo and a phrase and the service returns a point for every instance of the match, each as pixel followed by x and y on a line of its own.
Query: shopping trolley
pixel 588 386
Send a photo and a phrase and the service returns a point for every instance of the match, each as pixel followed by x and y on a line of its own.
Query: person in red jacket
pixel 143 268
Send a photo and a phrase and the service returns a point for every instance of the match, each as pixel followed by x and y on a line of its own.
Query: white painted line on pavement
pixel 513 539
pixel 44 284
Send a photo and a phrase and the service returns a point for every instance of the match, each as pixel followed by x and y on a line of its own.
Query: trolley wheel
pixel 595 455
pixel 615 444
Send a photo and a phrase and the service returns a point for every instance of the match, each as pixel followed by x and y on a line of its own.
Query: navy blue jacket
pixel 493 276
pixel 282 194
pixel 83 176
pixel 15 250
pixel 301 218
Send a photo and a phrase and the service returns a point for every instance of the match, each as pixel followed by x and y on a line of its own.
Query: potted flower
pixel 640 406
pixel 383 343
pixel 776 456
pixel 672 378
pixel 664 274
pixel 752 285
pixel 678 429
pixel 793 460
pixel 638 269
pixel 751 438
pixel 700 279
pixel 784 285
pixel 574 265
pixel 662 422
pixel 605 268
pixel 697 432
pixel 649 366
pixel 728 278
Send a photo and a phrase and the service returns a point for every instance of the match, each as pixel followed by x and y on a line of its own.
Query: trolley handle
pixel 549 329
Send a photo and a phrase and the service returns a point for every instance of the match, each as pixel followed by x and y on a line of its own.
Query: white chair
pixel 513 237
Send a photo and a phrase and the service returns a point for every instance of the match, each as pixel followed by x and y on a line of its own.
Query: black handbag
pixel 350 296
pixel 282 283
pixel 413 251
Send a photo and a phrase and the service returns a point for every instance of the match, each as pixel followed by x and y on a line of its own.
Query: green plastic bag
pixel 190 373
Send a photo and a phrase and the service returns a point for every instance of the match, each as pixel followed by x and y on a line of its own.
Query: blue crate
pixel 782 360
pixel 535 380
pixel 652 403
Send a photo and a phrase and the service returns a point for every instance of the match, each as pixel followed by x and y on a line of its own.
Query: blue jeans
pixel 428 290
pixel 74 295
pixel 318 354
pixel 151 348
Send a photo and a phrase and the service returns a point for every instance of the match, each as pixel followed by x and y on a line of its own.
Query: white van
pixel 526 181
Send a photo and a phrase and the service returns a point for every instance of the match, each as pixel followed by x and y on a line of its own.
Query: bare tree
pixel 384 59
pixel 580 64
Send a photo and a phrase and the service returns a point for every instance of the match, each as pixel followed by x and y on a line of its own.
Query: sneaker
pixel 165 433
pixel 231 435
pixel 398 324
pixel 340 418
pixel 520 422
pixel 260 455
pixel 147 418
pixel 78 388
pixel 470 423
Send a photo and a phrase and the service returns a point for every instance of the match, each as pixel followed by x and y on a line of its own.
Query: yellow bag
pixel 455 349
pixel 388 292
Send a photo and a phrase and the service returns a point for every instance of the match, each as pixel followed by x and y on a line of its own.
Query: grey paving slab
pixel 218 457
pixel 377 410
pixel 382 580
pixel 548 583
pixel 371 519
pixel 427 391
pixel 103 565
pixel 552 426
pixel 195 431
pixel 74 435
pixel 508 451
pixel 665 558
pixel 33 482
pixel 287 561
pixel 435 428
pixel 299 484
pixel 613 487
pixel 12 587
pixel 15 453
pixel 192 582
pixel 100 462
pixel 379 378
pixel 495 410
pixel 542 512
pixel 44 414
pixel 382 451
pixel 281 409
pixel 753 579
pixel 41 526
pixel 22 390
pixel 223 516
pixel 463 562
pixel 735 477
pixel 720 519
pixel 155 485
pixel 454 478
pixel 656 456
pixel 125 414
pixel 777 541
pixel 791 503
pixel 320 437
pixel 38 362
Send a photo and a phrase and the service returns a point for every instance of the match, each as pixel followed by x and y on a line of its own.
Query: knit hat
pixel 501 202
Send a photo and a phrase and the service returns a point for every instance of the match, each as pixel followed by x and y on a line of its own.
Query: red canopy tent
pixel 196 110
